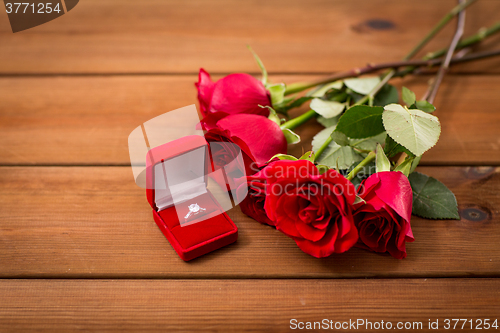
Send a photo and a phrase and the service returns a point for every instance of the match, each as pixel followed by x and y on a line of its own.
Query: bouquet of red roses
pixel 357 186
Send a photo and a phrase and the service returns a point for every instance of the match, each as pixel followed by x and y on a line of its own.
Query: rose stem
pixel 447 18
pixel 455 60
pixel 297 121
pixel 410 64
pixel 322 148
pixel 457 9
pixel 370 157
pixel 474 39
pixel 440 25
pixel 444 68
pixel 446 63
pixel 297 87
pixel 429 60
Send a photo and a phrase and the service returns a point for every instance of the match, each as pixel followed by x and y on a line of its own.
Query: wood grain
pixel 157 36
pixel 87 120
pixel 238 306
pixel 94 222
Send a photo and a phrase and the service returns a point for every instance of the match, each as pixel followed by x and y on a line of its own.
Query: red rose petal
pixel 263 137
pixel 205 88
pixel 349 239
pixel 322 248
pixel 396 182
pixel 384 221
pixel 309 232
pixel 240 93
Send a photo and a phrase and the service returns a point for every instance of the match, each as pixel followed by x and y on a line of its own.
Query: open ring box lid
pixel 181 173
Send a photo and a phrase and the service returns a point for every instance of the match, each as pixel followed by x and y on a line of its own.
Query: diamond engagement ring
pixel 194 209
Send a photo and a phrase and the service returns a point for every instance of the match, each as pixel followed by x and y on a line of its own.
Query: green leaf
pixel 358 200
pixel 324 88
pixel 322 168
pixel 408 96
pixel 354 95
pixel 381 161
pixel 337 96
pixel 369 143
pixel 321 137
pixel 432 199
pixel 392 148
pixel 334 154
pixel 388 94
pixel 361 121
pixel 405 166
pixel 309 156
pixel 277 92
pixel 415 162
pixel 291 137
pixel 327 109
pixel 425 106
pixel 362 86
pixel 296 103
pixel 328 122
pixel 364 173
pixel 260 64
pixel 414 129
pixel 283 157
pixel 272 114
pixel 340 138
pixel 339 157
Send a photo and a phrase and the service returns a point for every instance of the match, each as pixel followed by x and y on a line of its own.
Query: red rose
pixel 315 210
pixel 384 221
pixel 225 155
pixel 253 190
pixel 235 93
pixel 258 137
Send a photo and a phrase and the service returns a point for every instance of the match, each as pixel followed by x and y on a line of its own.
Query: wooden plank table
pixel 78 246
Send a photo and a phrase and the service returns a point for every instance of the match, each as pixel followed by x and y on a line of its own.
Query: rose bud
pixel 258 137
pixel 384 221
pixel 233 94
pixel 313 209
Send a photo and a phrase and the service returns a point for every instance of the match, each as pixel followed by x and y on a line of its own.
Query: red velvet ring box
pixel 176 177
